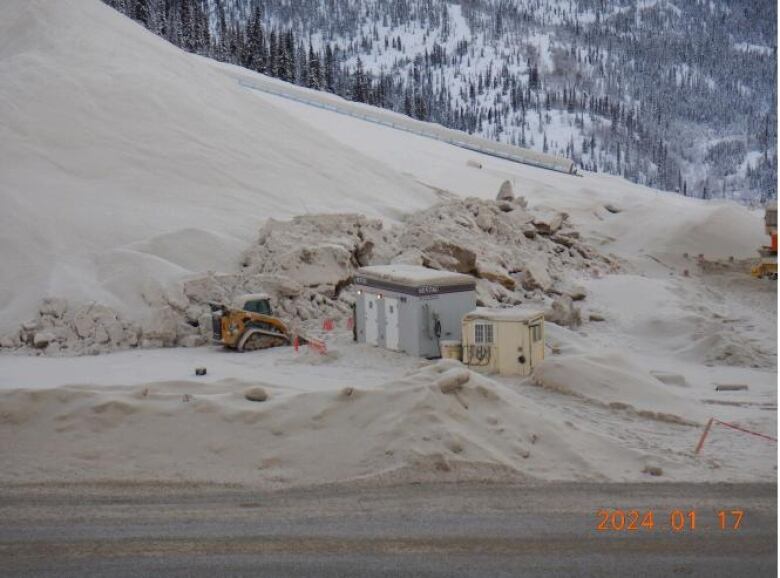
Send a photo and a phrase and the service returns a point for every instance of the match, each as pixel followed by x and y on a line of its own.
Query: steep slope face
pixel 111 137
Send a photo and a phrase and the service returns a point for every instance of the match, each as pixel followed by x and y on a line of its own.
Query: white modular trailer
pixel 411 309
pixel 505 341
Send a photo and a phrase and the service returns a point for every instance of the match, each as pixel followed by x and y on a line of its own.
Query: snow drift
pixel 416 428
pixel 123 158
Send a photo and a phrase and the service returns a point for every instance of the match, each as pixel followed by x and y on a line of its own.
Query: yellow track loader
pixel 249 324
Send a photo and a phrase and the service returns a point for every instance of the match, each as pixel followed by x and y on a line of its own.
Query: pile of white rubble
pixel 306 266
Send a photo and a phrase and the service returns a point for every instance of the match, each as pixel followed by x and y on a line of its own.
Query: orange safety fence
pixel 712 421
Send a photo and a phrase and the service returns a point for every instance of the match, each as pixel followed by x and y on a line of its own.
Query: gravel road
pixel 360 530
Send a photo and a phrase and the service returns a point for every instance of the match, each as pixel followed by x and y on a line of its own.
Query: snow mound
pixel 717 345
pixel 613 381
pixel 674 319
pixel 411 429
pixel 121 155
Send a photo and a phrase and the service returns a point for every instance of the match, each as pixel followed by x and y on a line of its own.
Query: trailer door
pixel 391 323
pixel 372 319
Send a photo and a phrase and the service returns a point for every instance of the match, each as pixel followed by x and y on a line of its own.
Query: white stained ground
pixel 141 165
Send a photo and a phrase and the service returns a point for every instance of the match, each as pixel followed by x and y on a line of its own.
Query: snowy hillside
pixel 126 167
pixel 678 97
pixel 122 170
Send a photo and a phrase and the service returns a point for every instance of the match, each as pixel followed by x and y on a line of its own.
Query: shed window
pixel 536 333
pixel 483 333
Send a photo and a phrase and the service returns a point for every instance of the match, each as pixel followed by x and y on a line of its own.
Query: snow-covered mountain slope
pixel 126 163
pixel 110 136
pixel 679 96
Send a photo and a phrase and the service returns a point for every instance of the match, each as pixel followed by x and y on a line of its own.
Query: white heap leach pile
pixel 306 265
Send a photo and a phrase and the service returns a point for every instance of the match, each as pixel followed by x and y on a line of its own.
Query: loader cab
pixel 255 303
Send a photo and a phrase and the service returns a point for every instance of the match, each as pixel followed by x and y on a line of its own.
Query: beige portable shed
pixel 505 341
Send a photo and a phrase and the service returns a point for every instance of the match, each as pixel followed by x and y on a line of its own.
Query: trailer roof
pixel 413 276
pixel 504 314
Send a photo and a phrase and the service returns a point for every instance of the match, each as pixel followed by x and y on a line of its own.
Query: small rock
pixel 485 221
pixel 452 381
pixel 192 341
pixel 42 339
pixel 449 256
pixel 54 307
pixel 200 371
pixel 496 274
pixel 116 332
pixel 31 325
pixel 84 324
pixel 564 313
pixel 596 317
pixel 101 335
pixel 256 394
pixel 562 239
pixel 505 193
pixel 505 207
pixel 653 471
pixel 192 314
pixel 670 378
pixel 612 208
pixel 577 293
pixel 205 325
pixel 548 224
pixel 536 276
pixel 161 326
pixel 731 387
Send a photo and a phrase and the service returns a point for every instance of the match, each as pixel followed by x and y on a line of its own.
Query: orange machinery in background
pixel 767 265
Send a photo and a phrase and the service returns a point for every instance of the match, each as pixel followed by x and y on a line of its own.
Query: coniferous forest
pixel 678 96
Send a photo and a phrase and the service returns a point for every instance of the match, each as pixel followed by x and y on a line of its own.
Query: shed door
pixel 372 319
pixel 536 338
pixel 391 324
